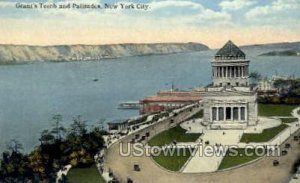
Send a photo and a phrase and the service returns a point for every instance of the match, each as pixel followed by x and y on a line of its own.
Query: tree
pixel 47 138
pixel 14 146
pixel 14 165
pixel 255 77
pixel 78 127
pixel 37 164
pixel 58 130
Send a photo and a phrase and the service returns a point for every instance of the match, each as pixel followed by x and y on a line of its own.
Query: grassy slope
pixel 174 162
pixel 241 158
pixel 289 120
pixel 85 175
pixel 275 109
pixel 198 114
pixel 177 133
pixel 265 136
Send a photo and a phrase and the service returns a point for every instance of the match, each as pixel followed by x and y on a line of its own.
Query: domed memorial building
pixel 229 102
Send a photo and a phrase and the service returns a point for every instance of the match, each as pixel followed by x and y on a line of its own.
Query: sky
pixel 211 22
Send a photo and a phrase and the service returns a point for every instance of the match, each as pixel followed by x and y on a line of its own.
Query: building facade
pixel 229 103
pixel 169 99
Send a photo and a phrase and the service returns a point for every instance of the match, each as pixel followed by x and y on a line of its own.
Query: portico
pixel 229 112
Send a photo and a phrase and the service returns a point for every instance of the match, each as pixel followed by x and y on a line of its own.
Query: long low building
pixel 169 99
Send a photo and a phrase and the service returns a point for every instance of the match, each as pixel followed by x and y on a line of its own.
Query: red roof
pixel 171 99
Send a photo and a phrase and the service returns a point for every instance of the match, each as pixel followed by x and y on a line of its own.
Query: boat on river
pixel 129 105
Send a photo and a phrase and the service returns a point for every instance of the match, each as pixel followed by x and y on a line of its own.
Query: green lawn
pixel 198 114
pixel 239 156
pixel 175 161
pixel 85 175
pixel 176 133
pixel 288 120
pixel 275 109
pixel 265 136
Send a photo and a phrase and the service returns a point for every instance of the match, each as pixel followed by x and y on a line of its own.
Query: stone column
pixel 231 111
pixel 224 113
pixel 222 70
pixel 246 113
pixel 211 114
pixel 239 113
pixel 218 117
pixel 242 71
pixel 234 71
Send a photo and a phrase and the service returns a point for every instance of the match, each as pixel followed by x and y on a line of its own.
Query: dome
pixel 230 51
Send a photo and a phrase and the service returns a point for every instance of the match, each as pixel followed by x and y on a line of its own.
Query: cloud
pixel 210 15
pixel 188 20
pixel 188 12
pixel 7 4
pixel 236 4
pixel 278 8
pixel 155 5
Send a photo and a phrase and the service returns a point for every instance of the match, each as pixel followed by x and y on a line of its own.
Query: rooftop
pixel 172 99
pixel 230 50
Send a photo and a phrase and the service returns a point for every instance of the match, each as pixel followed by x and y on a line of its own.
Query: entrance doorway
pixel 228 113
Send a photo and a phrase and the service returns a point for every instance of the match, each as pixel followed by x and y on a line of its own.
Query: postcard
pixel 149 91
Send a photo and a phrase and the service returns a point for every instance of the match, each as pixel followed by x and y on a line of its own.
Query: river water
pixel 31 94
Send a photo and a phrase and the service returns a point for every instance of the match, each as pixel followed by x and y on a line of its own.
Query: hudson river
pixel 31 94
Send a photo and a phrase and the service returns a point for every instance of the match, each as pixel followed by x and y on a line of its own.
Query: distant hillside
pixel 23 53
pixel 275 46
pixel 261 49
pixel 282 53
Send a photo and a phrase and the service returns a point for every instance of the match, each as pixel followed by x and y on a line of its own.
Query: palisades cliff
pixel 62 53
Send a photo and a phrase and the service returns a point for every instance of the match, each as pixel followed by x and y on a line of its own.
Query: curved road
pixel 261 171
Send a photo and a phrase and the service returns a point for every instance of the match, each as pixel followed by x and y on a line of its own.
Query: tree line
pixel 59 146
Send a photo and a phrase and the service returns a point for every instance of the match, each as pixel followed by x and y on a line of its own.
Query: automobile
pixel 287 145
pixel 143 137
pixel 284 152
pixel 136 167
pixel 275 162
